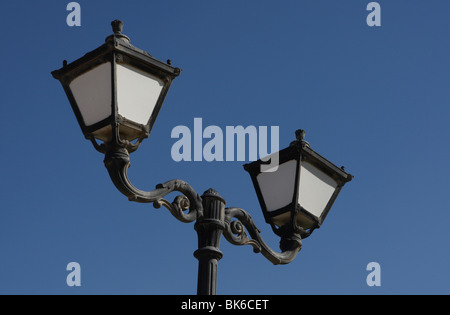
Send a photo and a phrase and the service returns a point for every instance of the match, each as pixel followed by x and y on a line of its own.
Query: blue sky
pixel 375 99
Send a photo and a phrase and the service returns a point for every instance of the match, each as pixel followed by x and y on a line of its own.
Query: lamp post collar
pixel 212 193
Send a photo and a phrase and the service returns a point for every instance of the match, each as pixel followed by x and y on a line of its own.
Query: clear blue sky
pixel 375 99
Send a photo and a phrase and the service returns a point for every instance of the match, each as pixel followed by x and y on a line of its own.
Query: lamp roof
pixel 117 42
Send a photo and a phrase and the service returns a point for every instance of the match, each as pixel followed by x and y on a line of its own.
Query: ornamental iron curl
pixel 117 162
pixel 290 244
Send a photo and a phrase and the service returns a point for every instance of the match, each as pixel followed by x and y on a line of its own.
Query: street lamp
pixel 300 193
pixel 116 93
pixel 116 90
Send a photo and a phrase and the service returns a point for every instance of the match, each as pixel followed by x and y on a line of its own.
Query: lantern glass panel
pixel 277 188
pixel 316 189
pixel 92 93
pixel 137 93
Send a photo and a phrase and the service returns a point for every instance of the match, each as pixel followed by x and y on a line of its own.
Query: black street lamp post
pixel 116 92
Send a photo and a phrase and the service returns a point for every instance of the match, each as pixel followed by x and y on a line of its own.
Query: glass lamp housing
pixel 119 85
pixel 301 190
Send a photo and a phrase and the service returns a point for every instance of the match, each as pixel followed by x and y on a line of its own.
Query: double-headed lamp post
pixel 116 92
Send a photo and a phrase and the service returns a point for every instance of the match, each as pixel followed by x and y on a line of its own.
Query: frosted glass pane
pixel 92 92
pixel 137 93
pixel 277 187
pixel 316 189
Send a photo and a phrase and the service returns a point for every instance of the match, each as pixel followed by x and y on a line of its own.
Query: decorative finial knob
pixel 300 135
pixel 117 27
pixel 300 139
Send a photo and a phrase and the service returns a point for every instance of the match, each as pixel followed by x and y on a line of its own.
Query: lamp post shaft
pixel 209 230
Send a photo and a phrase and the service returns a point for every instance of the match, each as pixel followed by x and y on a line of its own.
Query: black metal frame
pixel 208 211
pixel 300 151
pixel 116 50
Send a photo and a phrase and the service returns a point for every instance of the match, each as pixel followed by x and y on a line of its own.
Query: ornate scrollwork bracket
pixel 212 219
pixel 290 244
pixel 117 162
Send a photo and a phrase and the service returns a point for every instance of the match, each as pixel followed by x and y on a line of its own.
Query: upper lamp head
pixel 116 90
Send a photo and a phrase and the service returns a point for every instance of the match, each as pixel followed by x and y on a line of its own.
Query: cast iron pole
pixel 209 230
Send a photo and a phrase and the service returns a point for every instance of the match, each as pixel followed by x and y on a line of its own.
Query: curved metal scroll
pixel 290 243
pixel 117 161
